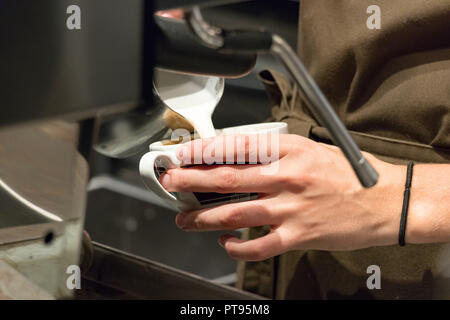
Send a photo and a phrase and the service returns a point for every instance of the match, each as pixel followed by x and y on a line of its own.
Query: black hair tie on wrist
pixel 406 194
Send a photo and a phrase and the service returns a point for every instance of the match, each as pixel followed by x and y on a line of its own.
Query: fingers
pixel 175 13
pixel 228 217
pixel 252 148
pixel 253 250
pixel 221 179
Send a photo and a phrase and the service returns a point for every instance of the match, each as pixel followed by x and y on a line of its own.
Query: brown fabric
pixel 391 88
pixel 393 82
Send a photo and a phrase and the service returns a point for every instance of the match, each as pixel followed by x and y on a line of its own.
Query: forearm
pixel 429 212
pixel 316 202
pixel 428 217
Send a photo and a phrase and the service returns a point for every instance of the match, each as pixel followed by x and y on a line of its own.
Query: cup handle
pixel 147 170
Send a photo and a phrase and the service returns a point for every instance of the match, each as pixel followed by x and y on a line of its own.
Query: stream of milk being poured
pixel 195 100
pixel 198 116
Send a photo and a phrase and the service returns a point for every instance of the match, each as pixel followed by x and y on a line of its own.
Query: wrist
pixel 384 202
pixel 424 225
pixel 426 219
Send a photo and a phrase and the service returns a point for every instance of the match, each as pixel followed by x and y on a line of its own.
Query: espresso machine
pixel 65 91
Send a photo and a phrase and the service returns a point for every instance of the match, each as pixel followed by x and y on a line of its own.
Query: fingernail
pixel 180 152
pixel 165 181
pixel 179 220
pixel 220 241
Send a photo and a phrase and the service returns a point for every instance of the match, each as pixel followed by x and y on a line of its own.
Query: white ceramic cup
pixel 163 156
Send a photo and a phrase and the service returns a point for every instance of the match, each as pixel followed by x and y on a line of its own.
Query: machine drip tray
pixel 126 216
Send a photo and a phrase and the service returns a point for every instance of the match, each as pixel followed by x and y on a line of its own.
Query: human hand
pixel 313 201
